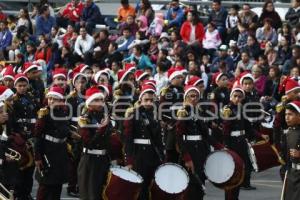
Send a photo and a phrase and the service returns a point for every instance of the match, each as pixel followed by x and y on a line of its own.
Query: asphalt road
pixel 268 186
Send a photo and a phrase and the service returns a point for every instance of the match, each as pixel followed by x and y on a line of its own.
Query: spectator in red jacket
pixel 192 30
pixel 2 15
pixel 43 52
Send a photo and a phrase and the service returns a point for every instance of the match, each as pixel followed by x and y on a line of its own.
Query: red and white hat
pixel 194 81
pixel 246 75
pixel 91 94
pixel 59 72
pixel 106 88
pixel 149 82
pixel 30 66
pixel 237 89
pixel 146 89
pixel 173 72
pixel 19 77
pixel 129 67
pixel 8 72
pixel 181 69
pixel 5 93
pixel 139 74
pixel 57 92
pixel 291 85
pixel 189 88
pixel 83 67
pixel 76 74
pixel 122 74
pixel 99 73
pixel 296 105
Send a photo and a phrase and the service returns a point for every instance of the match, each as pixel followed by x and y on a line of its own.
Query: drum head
pixel 126 174
pixel 219 167
pixel 171 178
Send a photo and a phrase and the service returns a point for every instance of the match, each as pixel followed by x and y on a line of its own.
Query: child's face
pixel 129 20
pixel 247 85
pixel 223 81
pixel 295 72
pixel 285 29
pixel 29 48
pixel 210 28
pixel 232 11
pixel 114 66
pixel 292 118
pixel 205 59
pixel 137 35
pixel 153 40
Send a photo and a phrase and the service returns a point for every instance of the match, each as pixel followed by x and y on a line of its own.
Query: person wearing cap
pixel 192 136
pixel 25 114
pixel 280 128
pixel 222 56
pixel 50 148
pixel 36 86
pixel 95 130
pixel 175 15
pixel 170 97
pixel 143 139
pixel 292 118
pixel 75 100
pixel 59 76
pixel 8 76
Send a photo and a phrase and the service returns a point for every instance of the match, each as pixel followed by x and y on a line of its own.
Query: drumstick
pixel 283 186
pixel 265 112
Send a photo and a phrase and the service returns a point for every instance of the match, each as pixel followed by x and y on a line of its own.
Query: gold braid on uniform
pixel 182 113
pixel 226 112
pixel 43 112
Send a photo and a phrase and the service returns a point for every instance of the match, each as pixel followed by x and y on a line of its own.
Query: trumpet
pixel 12 154
pixel 8 194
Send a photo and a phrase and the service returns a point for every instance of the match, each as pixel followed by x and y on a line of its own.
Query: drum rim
pixel 173 164
pixel 216 151
pixel 252 157
pixel 128 170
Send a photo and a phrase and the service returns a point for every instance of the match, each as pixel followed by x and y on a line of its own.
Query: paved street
pixel 268 188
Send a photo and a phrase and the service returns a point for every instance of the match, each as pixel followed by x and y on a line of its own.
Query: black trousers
pixel 24 183
pixel 49 192
pixel 92 175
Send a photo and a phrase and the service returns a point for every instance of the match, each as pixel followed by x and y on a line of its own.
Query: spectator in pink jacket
pixel 212 39
pixel 260 79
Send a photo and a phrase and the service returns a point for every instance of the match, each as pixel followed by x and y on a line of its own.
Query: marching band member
pixel 95 130
pixel 292 90
pixel 170 95
pixel 75 100
pixel 235 133
pixel 143 138
pixel 292 117
pixel 25 111
pixel 50 149
pixel 193 139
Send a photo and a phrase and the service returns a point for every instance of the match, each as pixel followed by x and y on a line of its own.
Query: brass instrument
pixel 8 194
pixel 12 154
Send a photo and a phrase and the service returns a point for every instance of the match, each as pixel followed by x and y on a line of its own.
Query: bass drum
pixel 122 183
pixel 170 182
pixel 230 175
pixel 264 156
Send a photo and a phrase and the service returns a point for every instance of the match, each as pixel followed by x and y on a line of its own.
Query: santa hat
pixel 30 66
pixel 217 76
pixel 59 72
pixel 296 105
pixel 122 74
pixel 246 75
pixel 76 74
pixel 173 72
pixel 291 85
pixel 149 82
pixel 181 69
pixel 19 77
pixel 56 91
pixel 106 88
pixel 8 72
pixel 146 89
pixel 5 93
pixel 189 88
pixel 237 89
pixel 194 81
pixel 129 67
pixel 83 67
pixel 91 94
pixel 99 73
pixel 139 74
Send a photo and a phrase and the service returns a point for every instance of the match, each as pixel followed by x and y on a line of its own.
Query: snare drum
pixel 264 156
pixel 122 183
pixel 225 169
pixel 170 182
